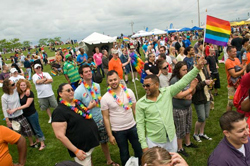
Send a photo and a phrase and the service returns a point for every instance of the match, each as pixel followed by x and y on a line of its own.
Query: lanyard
pixel 41 76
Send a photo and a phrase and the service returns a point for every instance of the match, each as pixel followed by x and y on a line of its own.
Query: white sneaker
pixel 133 80
pixel 136 79
pixel 197 138
pixel 50 120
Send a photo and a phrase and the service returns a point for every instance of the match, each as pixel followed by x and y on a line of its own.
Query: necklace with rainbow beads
pixel 85 113
pixel 119 102
pixel 95 94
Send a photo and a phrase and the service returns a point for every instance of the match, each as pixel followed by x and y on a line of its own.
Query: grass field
pixel 56 152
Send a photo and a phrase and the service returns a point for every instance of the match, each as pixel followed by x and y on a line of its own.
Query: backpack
pixel 96 76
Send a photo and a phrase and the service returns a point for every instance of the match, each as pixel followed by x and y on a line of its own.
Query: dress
pixel 82 133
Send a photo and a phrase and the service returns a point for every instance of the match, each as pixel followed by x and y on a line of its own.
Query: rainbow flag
pixel 136 62
pixel 217 31
pixel 125 38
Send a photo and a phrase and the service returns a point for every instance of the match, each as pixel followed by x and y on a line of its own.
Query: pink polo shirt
pixel 98 58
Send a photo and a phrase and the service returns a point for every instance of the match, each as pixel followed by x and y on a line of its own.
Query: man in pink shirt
pixel 118 108
pixel 98 60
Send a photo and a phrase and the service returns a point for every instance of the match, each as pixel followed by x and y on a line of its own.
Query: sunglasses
pixel 146 85
pixel 12 84
pixel 69 90
pixel 165 67
pixel 38 67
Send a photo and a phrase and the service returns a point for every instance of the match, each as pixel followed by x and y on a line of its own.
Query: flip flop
pixel 113 164
pixel 34 145
pixel 42 147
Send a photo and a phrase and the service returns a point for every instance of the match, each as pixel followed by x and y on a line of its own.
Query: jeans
pixel 29 72
pixel 33 120
pixel 98 69
pixel 202 111
pixel 239 56
pixel 122 138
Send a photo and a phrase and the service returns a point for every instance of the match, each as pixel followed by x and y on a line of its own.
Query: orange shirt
pixel 116 64
pixel 248 58
pixel 7 136
pixel 230 64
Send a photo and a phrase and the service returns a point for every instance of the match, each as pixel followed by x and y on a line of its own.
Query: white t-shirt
pixel 43 90
pixel 15 79
pixel 120 119
pixel 168 59
pixel 242 150
pixel 164 80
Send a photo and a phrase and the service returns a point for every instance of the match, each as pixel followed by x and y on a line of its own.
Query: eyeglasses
pixel 69 90
pixel 146 85
pixel 165 67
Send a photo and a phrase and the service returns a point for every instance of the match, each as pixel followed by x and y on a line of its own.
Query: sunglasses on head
pixel 146 85
pixel 165 67
pixel 69 90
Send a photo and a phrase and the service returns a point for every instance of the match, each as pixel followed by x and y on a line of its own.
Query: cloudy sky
pixel 76 19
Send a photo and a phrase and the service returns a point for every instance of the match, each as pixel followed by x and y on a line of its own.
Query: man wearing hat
pixel 14 75
pixel 116 64
pixel 70 71
pixel 45 94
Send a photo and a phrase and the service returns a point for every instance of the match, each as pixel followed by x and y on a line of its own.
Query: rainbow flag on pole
pixel 125 38
pixel 217 31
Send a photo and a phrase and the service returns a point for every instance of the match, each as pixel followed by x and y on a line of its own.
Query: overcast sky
pixel 76 19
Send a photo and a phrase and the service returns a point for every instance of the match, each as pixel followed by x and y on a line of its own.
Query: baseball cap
pixel 13 70
pixel 37 65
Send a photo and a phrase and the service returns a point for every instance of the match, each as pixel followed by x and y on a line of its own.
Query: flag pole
pixel 133 77
pixel 204 35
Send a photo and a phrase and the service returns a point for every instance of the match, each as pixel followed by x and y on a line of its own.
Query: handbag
pixel 16 126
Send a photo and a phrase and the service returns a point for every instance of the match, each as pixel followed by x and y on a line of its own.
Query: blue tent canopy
pixel 171 30
pixel 185 29
pixel 195 28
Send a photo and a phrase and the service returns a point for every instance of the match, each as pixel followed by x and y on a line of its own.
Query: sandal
pixel 113 164
pixel 34 145
pixel 42 147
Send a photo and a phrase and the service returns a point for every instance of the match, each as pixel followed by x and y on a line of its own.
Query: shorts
pixel 217 82
pixel 87 160
pixel 26 130
pixel 182 121
pixel 102 132
pixel 47 102
pixel 202 111
pixel 231 92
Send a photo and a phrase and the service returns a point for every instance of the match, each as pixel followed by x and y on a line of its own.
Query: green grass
pixel 56 152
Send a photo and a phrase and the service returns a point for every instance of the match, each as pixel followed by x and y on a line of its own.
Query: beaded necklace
pixel 95 94
pixel 86 113
pixel 119 102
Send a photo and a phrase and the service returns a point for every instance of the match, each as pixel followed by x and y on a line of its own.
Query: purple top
pixel 225 154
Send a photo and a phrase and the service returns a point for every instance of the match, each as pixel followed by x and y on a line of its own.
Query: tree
pixel 43 41
pixel 26 44
pixel 51 41
pixel 2 44
pixel 58 39
pixel 15 43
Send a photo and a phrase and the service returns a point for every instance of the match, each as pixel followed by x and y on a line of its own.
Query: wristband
pixel 77 150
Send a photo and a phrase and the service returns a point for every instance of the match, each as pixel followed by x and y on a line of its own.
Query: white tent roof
pixel 141 33
pixel 97 38
pixel 248 19
pixel 158 32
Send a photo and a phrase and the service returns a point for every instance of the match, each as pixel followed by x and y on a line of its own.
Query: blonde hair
pixel 181 49
pixel 171 50
pixel 155 156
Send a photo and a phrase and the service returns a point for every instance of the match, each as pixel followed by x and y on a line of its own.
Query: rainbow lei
pixel 86 114
pixel 95 94
pixel 119 102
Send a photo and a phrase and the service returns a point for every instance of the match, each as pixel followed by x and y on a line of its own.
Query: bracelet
pixel 77 150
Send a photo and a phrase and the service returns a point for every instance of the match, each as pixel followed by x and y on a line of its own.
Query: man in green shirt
pixel 70 71
pixel 154 111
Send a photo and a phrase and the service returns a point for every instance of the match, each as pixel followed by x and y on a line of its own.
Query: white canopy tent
pixel 141 33
pixel 158 32
pixel 248 19
pixel 97 40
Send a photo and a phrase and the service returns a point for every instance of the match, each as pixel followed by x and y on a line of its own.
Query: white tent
pixel 248 19
pixel 158 32
pixel 97 40
pixel 141 33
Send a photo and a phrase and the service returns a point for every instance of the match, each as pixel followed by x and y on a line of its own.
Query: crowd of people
pixel 175 76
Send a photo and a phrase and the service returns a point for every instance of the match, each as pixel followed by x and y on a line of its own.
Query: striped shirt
pixel 71 69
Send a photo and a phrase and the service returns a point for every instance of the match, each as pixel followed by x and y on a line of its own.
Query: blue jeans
pixel 239 56
pixel 33 120
pixel 29 72
pixel 122 138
